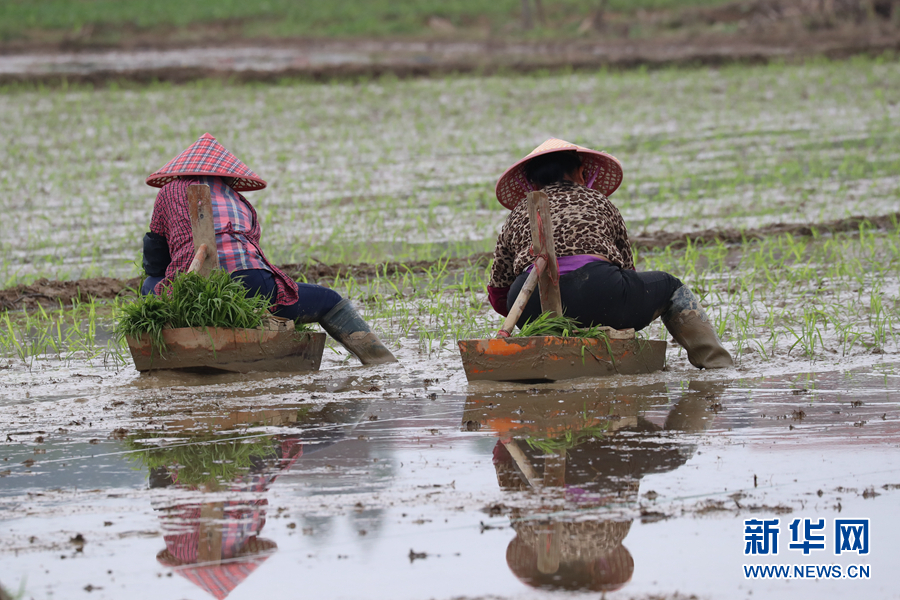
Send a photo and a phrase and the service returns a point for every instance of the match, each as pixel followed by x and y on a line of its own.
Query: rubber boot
pixel 689 325
pixel 345 325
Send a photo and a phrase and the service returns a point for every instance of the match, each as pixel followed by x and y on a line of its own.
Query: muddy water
pixel 392 483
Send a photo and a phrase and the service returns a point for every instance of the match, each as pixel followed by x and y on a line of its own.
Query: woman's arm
pixel 502 275
pixel 498 299
pixel 621 240
pixel 171 220
pixel 156 255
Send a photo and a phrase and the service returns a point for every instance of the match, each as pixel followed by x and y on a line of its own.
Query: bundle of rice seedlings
pixel 192 301
pixel 559 325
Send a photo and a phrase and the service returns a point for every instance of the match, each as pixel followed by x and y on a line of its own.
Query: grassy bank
pixel 112 20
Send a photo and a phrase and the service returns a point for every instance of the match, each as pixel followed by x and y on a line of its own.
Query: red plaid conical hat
pixel 602 172
pixel 207 156
pixel 220 579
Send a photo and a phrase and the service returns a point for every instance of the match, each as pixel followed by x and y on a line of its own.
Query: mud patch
pixel 44 292
pixel 732 235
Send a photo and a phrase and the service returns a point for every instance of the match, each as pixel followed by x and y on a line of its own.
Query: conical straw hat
pixel 207 156
pixel 220 578
pixel 602 172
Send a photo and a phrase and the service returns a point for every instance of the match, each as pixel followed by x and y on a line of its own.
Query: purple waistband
pixel 567 264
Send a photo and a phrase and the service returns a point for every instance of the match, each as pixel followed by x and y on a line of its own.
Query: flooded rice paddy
pixel 407 482
pixel 409 166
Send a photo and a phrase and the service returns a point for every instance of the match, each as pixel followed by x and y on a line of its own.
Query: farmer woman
pixel 169 246
pixel 598 283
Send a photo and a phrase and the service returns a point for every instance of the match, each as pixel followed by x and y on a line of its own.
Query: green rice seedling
pixel 811 326
pixel 214 301
pixel 11 339
pixel 559 325
pixel 146 315
pixel 548 324
pixel 819 294
pixel 881 320
pixel 62 334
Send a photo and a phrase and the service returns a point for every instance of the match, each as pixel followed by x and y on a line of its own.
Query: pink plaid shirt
pixel 237 233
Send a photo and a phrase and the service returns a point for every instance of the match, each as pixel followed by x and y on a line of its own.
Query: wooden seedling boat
pixel 274 347
pixel 550 358
pixel 237 350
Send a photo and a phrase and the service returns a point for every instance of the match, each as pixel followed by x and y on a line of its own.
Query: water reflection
pixel 590 449
pixel 220 470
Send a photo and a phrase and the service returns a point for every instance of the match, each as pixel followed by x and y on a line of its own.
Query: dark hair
pixel 552 167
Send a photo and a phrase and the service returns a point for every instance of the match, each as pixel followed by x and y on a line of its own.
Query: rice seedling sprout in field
pixel 820 296
pixel 837 298
pixel 737 147
pixel 79 332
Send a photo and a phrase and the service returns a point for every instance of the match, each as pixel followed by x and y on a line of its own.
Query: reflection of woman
pixel 598 282
pixel 216 545
pixel 597 462
pixel 169 246
pixel 556 554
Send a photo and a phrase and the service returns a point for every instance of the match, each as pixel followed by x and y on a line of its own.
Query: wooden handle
pixel 542 245
pixel 202 227
pixel 199 257
pixel 522 299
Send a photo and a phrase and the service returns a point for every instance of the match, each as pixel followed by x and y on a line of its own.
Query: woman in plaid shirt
pixel 169 246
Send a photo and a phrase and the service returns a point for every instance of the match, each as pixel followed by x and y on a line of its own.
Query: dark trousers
pixel 601 293
pixel 314 303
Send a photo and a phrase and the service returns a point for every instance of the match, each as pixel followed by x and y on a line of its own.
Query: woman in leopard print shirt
pixel 598 282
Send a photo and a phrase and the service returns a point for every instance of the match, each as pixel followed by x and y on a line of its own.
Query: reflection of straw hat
pixel 207 156
pixel 571 556
pixel 577 539
pixel 602 172
pixel 220 579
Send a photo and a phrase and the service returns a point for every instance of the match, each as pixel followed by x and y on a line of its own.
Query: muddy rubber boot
pixel 689 325
pixel 345 325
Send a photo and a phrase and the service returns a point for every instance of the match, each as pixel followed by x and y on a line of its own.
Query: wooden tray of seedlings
pixel 274 346
pixel 553 347
pixel 206 321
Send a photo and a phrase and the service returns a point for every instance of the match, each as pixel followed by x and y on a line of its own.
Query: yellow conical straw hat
pixel 602 172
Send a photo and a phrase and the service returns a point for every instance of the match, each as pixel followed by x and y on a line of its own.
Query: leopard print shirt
pixel 584 222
